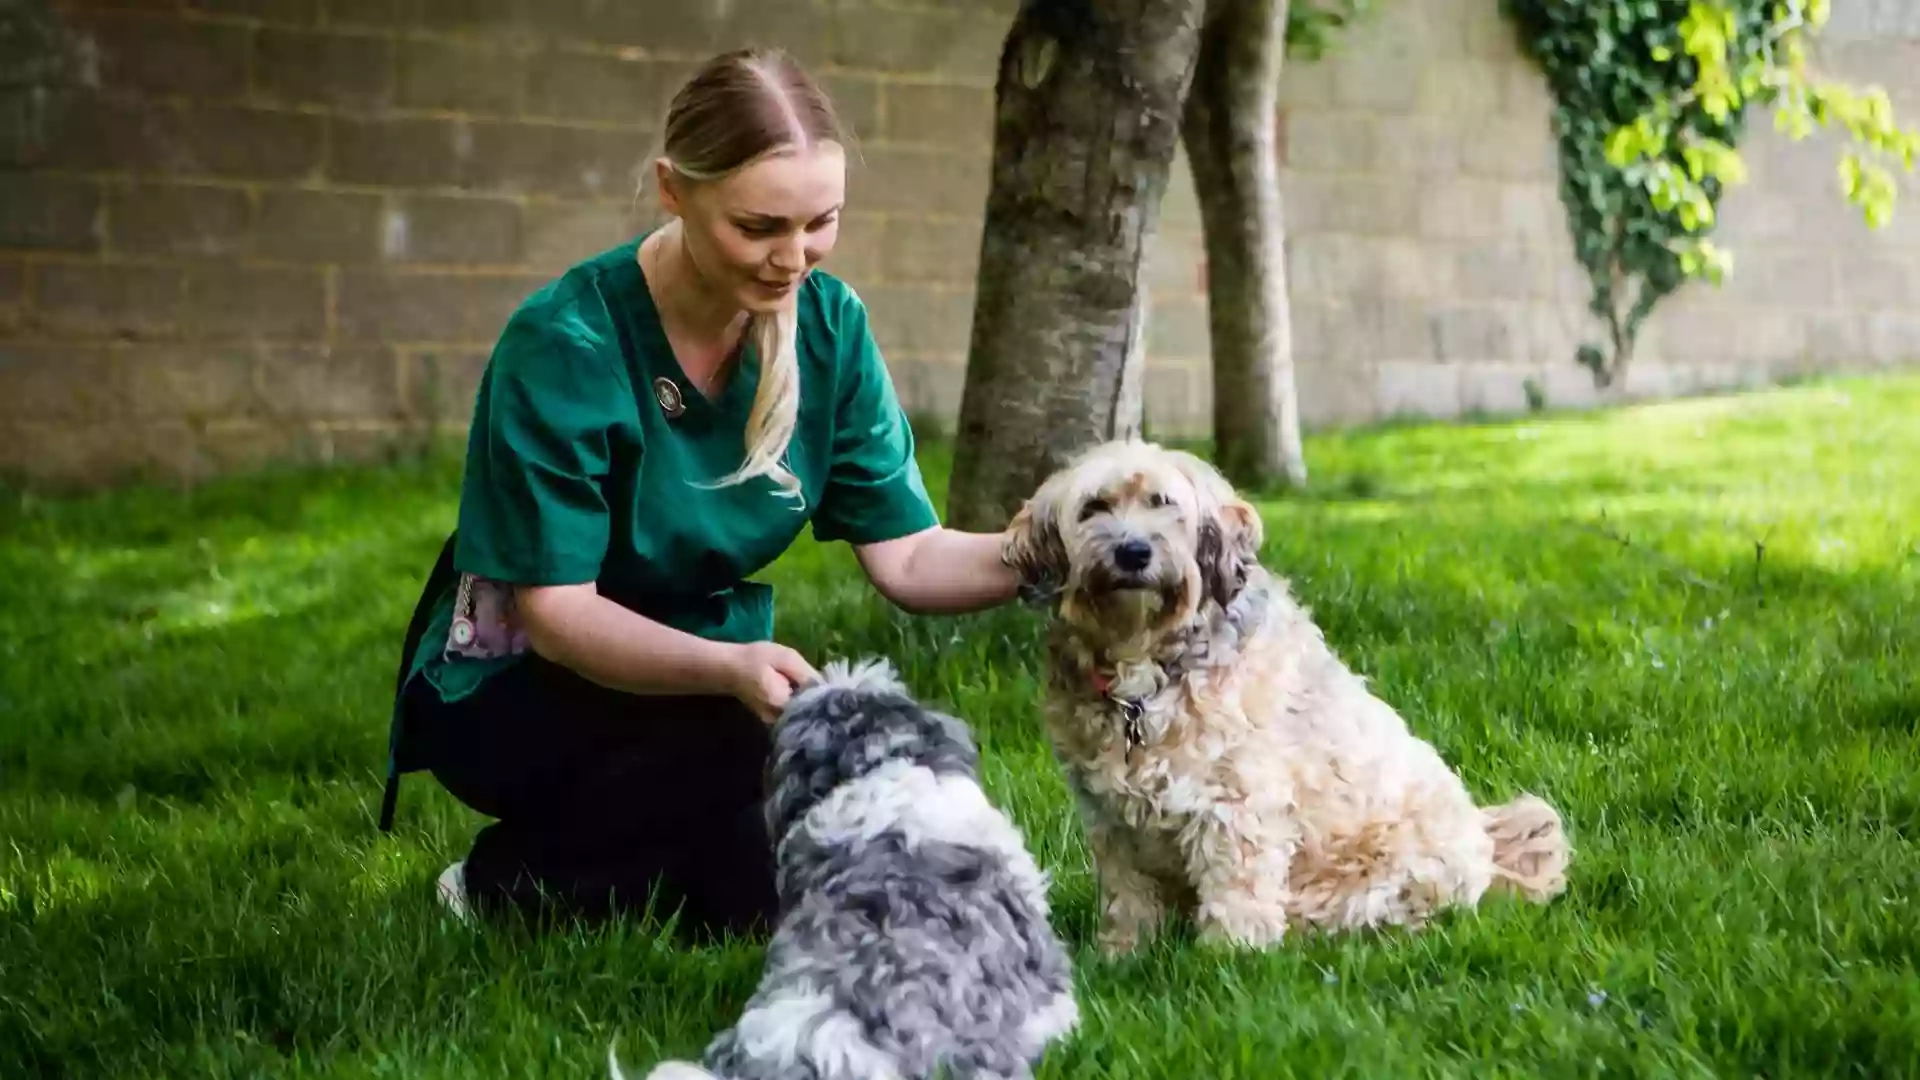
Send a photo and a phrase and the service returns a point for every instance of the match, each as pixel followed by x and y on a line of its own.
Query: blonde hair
pixel 739 107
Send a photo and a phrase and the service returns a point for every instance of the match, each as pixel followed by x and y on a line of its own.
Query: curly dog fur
pixel 913 938
pixel 1226 764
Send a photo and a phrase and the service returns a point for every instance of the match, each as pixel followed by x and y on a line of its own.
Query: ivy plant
pixel 1312 25
pixel 1651 100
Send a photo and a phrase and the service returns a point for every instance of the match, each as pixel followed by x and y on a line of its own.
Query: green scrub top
pixel 592 457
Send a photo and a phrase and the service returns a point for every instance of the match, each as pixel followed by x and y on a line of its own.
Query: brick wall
pixel 234 231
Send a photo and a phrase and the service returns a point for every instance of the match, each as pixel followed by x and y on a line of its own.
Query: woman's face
pixel 755 235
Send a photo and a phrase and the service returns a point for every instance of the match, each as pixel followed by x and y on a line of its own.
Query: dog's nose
pixel 1132 555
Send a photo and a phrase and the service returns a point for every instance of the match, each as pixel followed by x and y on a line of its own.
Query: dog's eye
pixel 1092 507
pixel 1158 500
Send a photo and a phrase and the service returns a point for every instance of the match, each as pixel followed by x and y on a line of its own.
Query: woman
pixel 653 426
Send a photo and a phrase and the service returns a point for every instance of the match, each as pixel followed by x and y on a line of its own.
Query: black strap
pixel 390 797
pixel 416 629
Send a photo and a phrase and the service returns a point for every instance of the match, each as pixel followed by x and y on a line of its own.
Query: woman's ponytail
pixel 776 402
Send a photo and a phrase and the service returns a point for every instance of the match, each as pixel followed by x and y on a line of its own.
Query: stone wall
pixel 234 231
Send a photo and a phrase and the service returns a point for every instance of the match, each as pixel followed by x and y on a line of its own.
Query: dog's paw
pixel 1135 930
pixel 1129 921
pixel 1118 941
pixel 1245 927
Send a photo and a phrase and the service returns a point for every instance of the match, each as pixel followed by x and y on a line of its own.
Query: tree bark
pixel 1229 130
pixel 1087 118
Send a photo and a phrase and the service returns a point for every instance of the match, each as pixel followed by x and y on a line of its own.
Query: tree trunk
pixel 1087 118
pixel 1229 130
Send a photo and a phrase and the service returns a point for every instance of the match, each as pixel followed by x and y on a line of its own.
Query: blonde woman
pixel 587 663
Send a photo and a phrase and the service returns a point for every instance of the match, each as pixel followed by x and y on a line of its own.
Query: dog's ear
pixel 1231 531
pixel 1230 541
pixel 1035 552
pixel 800 770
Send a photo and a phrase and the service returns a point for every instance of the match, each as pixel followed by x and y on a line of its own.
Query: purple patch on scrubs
pixel 486 622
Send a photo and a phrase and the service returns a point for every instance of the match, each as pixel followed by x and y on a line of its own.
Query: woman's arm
pixel 605 643
pixel 940 571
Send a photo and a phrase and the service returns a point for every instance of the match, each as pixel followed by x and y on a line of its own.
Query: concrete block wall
pixel 1430 266
pixel 240 231
pixel 236 231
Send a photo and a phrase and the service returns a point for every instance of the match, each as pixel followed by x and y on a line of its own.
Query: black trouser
pixel 606 802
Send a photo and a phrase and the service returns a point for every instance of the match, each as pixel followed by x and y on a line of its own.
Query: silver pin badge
pixel 667 393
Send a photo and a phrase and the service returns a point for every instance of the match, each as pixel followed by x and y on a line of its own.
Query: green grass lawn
pixel 1691 626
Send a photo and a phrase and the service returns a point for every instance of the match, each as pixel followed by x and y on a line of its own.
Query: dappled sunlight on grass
pixel 60 881
pixel 1739 442
pixel 1691 625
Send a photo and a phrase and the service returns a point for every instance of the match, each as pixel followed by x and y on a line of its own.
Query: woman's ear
pixel 664 181
pixel 1035 552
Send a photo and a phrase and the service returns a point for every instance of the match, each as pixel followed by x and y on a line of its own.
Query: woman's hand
pixel 763 676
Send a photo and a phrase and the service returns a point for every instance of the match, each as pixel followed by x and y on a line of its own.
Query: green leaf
pixel 1621 147
pixel 1696 159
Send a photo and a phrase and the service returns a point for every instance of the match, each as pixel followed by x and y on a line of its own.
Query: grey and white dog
pixel 913 937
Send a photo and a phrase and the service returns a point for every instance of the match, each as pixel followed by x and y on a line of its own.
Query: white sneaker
pixel 452 888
